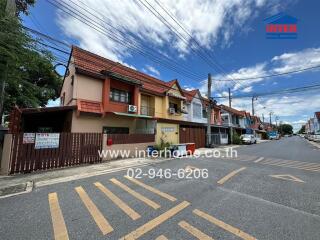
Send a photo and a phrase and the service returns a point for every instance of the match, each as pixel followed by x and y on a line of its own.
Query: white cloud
pixel 296 60
pixel 286 62
pixel 212 22
pixel 293 109
pixel 247 89
pixel 151 71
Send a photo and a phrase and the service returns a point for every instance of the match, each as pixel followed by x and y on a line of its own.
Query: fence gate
pixel 72 149
pixel 192 134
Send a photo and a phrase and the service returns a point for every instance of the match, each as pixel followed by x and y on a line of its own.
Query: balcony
pixel 148 111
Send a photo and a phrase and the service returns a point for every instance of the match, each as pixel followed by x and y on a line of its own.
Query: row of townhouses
pixel 312 126
pixel 102 96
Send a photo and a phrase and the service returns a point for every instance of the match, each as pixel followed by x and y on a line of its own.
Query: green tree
pixel 302 129
pixel 285 129
pixel 26 71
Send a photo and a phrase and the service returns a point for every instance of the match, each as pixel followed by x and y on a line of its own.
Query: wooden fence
pixel 131 138
pixel 73 149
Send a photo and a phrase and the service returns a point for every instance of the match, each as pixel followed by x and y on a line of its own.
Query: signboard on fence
pixel 47 140
pixel 28 138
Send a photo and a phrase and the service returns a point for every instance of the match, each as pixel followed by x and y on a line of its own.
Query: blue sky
pixel 231 30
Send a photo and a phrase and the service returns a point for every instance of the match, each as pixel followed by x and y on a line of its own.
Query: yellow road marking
pixel 59 226
pixel 303 164
pixel 190 168
pixel 230 175
pixel 259 159
pixel 151 189
pixel 122 205
pixel 161 237
pixel 224 225
pixel 156 221
pixel 288 177
pixel 94 211
pixel 194 231
pixel 312 168
pixel 297 167
pixel 135 194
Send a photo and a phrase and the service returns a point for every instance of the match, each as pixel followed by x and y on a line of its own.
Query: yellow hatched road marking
pixel 156 221
pixel 230 175
pixel 304 164
pixel 294 164
pixel 313 168
pixel 259 159
pixel 287 177
pixel 290 166
pixel 122 205
pixel 151 189
pixel 224 225
pixel 59 226
pixel 161 237
pixel 135 194
pixel 97 216
pixel 194 231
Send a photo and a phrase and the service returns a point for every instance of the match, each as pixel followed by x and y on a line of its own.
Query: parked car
pixel 248 138
pixel 317 138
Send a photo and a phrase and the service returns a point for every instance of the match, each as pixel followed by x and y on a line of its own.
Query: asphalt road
pixel 270 191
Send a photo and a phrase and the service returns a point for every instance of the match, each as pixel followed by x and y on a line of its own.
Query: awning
pixel 132 115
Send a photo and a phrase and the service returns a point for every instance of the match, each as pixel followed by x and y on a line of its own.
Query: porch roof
pixel 132 115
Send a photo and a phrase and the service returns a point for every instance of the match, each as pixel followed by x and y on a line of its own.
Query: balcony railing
pixel 145 110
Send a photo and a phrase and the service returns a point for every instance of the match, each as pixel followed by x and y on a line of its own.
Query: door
pixel 192 134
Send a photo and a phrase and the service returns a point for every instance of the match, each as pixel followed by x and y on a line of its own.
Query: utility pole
pixel 270 118
pixel 229 97
pixel 209 112
pixel 252 103
pixel 262 117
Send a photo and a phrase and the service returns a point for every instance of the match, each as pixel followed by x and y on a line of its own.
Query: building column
pixel 105 93
pixel 136 98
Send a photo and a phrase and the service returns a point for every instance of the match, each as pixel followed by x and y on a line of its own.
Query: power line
pixel 272 75
pixel 290 90
pixel 116 65
pixel 195 40
pixel 203 54
pixel 126 42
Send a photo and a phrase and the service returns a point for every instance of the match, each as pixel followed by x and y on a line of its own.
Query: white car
pixel 248 138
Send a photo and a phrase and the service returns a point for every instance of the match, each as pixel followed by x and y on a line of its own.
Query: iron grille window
pixel 117 95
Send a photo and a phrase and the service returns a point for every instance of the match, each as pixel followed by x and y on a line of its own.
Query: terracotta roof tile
pixel 233 110
pixel 89 106
pixel 92 63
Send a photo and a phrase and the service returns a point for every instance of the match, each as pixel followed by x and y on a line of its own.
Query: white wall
pixel 191 117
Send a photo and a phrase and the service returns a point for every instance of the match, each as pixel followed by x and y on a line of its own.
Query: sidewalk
pixel 22 183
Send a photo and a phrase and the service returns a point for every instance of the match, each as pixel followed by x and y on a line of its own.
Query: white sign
pixel 168 129
pixel 47 140
pixel 28 138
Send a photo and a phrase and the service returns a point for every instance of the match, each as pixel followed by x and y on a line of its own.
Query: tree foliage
pixel 302 129
pixel 26 68
pixel 285 129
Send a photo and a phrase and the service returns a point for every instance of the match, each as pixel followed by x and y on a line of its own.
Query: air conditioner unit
pixel 132 108
pixel 172 111
pixel 184 109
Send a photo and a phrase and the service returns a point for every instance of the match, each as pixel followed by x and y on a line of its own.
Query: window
pixel 173 105
pixel 117 95
pixel 196 110
pixel 204 113
pixel 115 130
